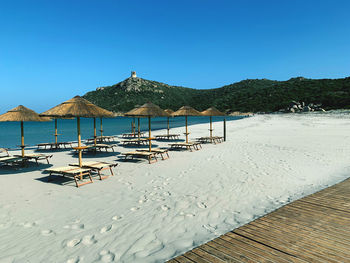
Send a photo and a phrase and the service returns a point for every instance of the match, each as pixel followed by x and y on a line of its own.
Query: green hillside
pixel 248 95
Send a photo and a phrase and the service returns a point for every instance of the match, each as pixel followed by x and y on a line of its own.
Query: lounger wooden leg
pixel 76 181
pixel 110 168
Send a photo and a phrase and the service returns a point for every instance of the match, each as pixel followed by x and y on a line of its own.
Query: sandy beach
pixel 151 213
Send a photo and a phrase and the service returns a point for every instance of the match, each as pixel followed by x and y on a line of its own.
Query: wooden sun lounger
pixel 188 146
pixel 132 135
pixel 164 153
pixel 76 172
pixel 99 147
pixel 36 156
pixel 168 137
pixel 143 141
pixel 12 160
pixel 54 145
pixel 141 154
pixel 213 139
pixel 104 138
pixel 98 167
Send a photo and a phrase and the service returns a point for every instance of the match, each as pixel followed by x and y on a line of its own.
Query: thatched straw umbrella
pixel 212 111
pixel 169 111
pixel 22 114
pixel 148 110
pixel 77 107
pixel 186 111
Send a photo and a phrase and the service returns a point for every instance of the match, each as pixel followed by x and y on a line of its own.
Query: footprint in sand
pixel 28 224
pixel 190 215
pixel 47 232
pixel 74 242
pixel 165 207
pixel 106 256
pixel 134 209
pixel 75 226
pixel 106 229
pixel 75 260
pixel 167 193
pixel 88 240
pixel 116 218
pixel 201 205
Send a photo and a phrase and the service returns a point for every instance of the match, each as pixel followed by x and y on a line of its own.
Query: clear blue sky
pixel 51 50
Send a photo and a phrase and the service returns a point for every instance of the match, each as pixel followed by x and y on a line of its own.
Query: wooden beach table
pixel 97 167
pixel 188 146
pixel 36 157
pixel 168 137
pixel 143 141
pixel 164 153
pixel 150 156
pixel 76 172
pixel 54 145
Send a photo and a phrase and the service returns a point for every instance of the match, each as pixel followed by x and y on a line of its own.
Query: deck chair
pixel 6 159
pixel 188 146
pixel 164 153
pixel 150 156
pixel 99 147
pixel 135 141
pixel 97 167
pixel 76 172
pixel 168 137
pixel 36 157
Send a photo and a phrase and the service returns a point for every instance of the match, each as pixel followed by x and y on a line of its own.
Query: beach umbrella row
pixel 78 107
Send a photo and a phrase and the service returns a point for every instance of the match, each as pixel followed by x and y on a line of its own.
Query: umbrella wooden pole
pixel 186 130
pixel 79 142
pixel 211 128
pixel 224 129
pixel 138 128
pixel 22 139
pixel 101 128
pixel 149 126
pixel 168 127
pixel 95 134
pixel 56 134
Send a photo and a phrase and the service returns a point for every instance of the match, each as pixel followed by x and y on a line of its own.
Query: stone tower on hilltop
pixel 133 74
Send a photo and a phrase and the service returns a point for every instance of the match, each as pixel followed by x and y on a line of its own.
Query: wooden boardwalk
pixel 315 228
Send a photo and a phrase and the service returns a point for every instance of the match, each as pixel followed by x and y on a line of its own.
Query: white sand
pixel 150 213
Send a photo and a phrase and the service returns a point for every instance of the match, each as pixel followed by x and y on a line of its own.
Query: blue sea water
pixel 39 132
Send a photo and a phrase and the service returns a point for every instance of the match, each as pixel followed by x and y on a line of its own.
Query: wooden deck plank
pixel 315 228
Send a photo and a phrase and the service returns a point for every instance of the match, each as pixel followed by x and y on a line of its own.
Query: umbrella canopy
pixel 169 111
pixel 22 114
pixel 148 110
pixel 77 107
pixel 212 111
pixel 186 111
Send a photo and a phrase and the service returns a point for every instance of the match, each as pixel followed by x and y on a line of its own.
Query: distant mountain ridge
pixel 253 95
